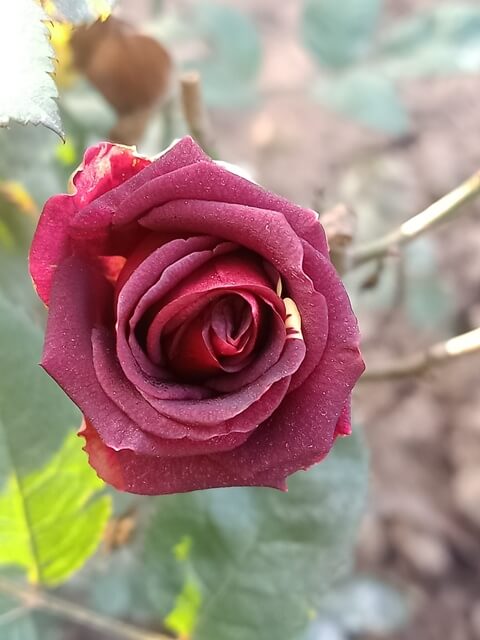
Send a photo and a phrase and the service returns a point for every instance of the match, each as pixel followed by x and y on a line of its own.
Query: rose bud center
pixel 219 337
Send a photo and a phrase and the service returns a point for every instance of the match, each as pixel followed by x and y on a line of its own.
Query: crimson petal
pixel 276 241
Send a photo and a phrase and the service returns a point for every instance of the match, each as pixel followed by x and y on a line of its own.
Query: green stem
pixel 418 363
pixel 195 113
pixel 32 598
pixel 440 211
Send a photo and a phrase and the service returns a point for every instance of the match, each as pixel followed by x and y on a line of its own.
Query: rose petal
pixel 266 356
pixel 104 167
pixel 67 355
pixel 129 471
pixel 302 430
pixel 190 355
pixel 236 270
pixel 298 434
pixel 344 424
pixel 162 270
pixel 68 358
pixel 212 411
pixel 50 244
pixel 195 349
pixel 208 181
pixel 174 314
pixel 94 221
pixel 127 398
pixel 139 407
pixel 269 235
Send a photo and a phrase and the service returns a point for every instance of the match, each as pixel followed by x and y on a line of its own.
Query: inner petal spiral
pixel 220 337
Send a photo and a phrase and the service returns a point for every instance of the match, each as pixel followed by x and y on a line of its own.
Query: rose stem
pixel 32 598
pixel 418 363
pixel 194 111
pixel 436 213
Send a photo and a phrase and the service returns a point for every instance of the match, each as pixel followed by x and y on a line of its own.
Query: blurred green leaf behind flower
pixel 217 563
pixel 363 62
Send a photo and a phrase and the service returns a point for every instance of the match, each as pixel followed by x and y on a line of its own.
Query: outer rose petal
pixel 105 458
pixel 303 429
pixel 187 165
pixel 206 180
pixel 104 167
pixel 93 222
pixel 128 471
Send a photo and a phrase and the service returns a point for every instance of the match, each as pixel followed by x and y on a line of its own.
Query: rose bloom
pixel 196 320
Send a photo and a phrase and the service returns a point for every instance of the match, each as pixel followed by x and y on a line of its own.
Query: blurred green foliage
pixel 368 98
pixel 339 35
pixel 362 63
pixel 222 43
pixel 46 526
pixel 230 68
pixel 51 523
pixel 19 623
pixel 442 41
pixel 362 607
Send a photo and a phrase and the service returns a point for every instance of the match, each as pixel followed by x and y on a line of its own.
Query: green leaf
pixel 367 98
pixel 27 90
pixel 373 607
pixel 255 563
pixel 183 617
pixel 230 64
pixel 28 156
pixel 33 156
pixel 429 301
pixel 444 40
pixel 339 34
pixel 143 588
pixel 238 563
pixel 19 623
pixel 50 521
pixel 16 229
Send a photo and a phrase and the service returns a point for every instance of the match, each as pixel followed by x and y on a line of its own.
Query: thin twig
pixel 433 215
pixel 418 363
pixel 194 111
pixel 340 225
pixel 12 615
pixel 33 598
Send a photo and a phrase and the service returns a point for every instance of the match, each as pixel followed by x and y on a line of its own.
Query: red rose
pixel 196 320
